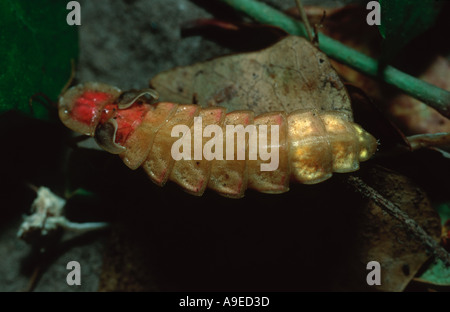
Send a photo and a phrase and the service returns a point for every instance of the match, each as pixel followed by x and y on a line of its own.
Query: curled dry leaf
pixel 382 238
pixel 429 140
pixel 290 75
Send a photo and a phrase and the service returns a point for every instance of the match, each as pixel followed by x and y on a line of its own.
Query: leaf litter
pixel 290 75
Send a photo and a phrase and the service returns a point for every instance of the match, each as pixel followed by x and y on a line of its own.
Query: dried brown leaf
pixel 382 238
pixel 290 75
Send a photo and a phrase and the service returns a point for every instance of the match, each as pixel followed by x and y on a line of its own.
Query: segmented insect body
pixel 312 144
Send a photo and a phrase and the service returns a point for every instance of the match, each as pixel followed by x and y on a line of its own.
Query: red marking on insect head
pixel 108 112
pixel 86 107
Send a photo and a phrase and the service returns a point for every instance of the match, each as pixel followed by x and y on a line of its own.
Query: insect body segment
pixel 193 175
pixel 159 162
pixel 311 145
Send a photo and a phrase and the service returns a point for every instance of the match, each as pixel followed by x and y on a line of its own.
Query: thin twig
pixel 36 95
pixel 72 76
pixel 33 187
pixel 304 19
pixel 429 140
pixel 400 215
pixel 425 92
pixel 34 279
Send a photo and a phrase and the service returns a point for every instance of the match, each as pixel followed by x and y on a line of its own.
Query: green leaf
pixel 437 274
pixel 444 212
pixel 36 49
pixel 82 193
pixel 403 20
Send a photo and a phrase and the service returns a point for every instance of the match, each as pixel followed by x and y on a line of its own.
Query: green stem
pixel 427 93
